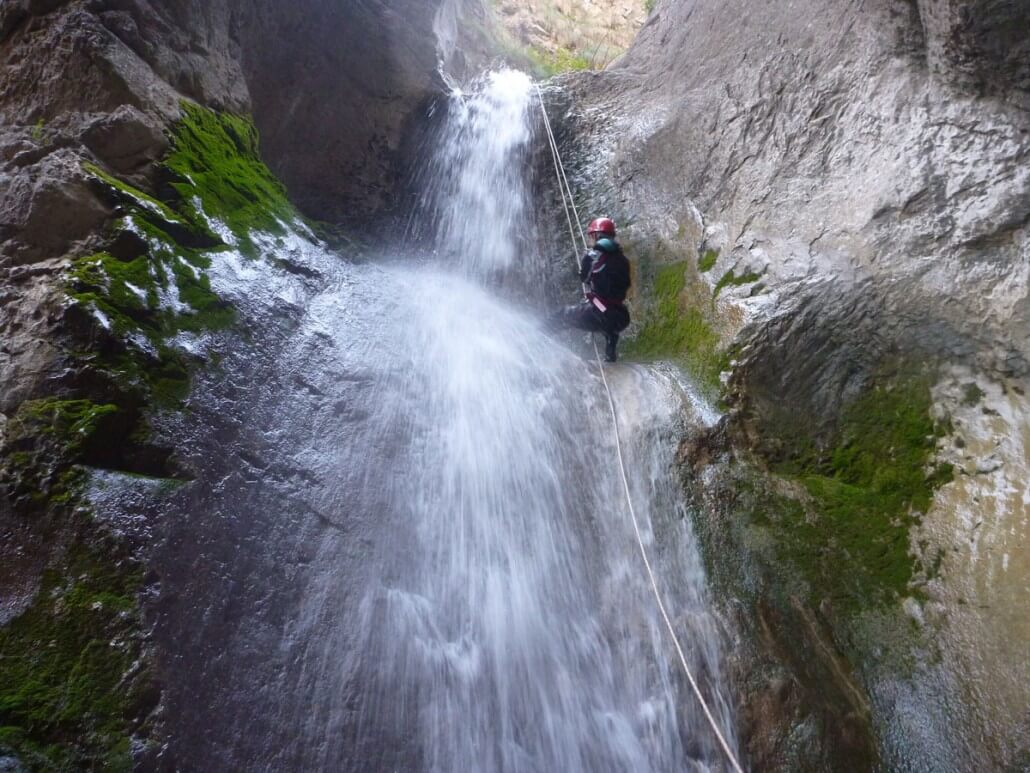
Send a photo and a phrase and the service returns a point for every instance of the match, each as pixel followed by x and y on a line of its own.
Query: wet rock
pixel 334 87
pixel 871 165
pixel 30 320
pixel 128 245
pixel 802 143
pixel 126 139
pixel 337 141
pixel 49 206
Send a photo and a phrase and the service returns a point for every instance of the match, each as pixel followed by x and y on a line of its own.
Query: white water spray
pixel 414 554
pixel 476 190
pixel 516 631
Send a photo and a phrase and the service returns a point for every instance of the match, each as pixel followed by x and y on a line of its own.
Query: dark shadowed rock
pixel 334 107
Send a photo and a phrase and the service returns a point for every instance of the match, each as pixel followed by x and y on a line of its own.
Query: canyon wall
pixel 828 204
pixel 129 164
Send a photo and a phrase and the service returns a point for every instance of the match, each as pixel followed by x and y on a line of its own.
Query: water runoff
pixel 503 621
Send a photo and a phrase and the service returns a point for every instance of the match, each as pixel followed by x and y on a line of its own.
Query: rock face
pixel 847 188
pixel 100 82
pixel 98 236
pixel 333 89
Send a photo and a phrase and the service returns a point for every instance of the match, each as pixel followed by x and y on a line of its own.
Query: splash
pixel 476 202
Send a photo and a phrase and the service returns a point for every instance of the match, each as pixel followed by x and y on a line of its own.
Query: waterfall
pixel 417 555
pixel 517 632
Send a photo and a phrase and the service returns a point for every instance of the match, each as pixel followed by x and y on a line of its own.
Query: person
pixel 604 272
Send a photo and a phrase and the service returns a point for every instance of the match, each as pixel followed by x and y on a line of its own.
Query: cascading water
pixel 434 568
pixel 519 634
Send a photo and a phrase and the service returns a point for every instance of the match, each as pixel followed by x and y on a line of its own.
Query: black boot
pixel 611 341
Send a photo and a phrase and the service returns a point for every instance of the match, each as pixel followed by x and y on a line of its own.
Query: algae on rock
pixel 70 680
pixel 865 492
pixel 676 325
pixel 74 692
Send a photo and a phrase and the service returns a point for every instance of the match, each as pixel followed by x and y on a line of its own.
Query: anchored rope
pixel 569 204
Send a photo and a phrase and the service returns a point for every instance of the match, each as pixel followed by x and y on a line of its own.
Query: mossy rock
pixel 136 302
pixel 730 279
pixel 707 261
pixel 70 685
pixel 215 159
pixel 44 441
pixel 676 327
pixel 73 682
pixel 866 490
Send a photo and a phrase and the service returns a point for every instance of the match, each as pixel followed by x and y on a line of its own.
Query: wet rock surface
pixel 102 83
pixel 842 186
pixel 830 159
pixel 92 97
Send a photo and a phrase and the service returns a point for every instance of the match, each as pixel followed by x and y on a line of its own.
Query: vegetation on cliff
pixel 842 514
pixel 45 439
pixel 73 682
pixel 676 325
pixel 70 681
pixel 215 164
pixel 850 537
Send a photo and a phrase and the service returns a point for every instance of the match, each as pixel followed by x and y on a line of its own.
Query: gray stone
pixel 889 196
pixel 126 139
pixel 49 205
pixel 874 159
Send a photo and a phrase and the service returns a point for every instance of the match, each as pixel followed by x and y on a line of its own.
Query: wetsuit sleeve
pixel 585 265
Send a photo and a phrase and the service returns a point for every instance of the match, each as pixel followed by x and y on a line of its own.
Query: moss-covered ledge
pixel 676 315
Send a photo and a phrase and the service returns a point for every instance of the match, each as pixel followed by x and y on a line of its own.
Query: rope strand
pixel 564 188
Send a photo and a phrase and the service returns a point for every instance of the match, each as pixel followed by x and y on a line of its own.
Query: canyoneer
pixel 604 272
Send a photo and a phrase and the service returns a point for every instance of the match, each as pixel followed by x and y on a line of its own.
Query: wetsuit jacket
pixel 604 270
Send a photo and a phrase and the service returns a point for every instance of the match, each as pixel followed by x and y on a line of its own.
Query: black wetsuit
pixel 605 274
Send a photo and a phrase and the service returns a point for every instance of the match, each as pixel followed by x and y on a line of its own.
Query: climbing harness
pixel 571 214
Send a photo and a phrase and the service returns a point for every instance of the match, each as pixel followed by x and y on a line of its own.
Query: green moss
pixel 128 295
pixel 75 422
pixel 729 279
pixel 214 161
pixel 38 132
pixel 133 196
pixel 69 668
pixel 547 64
pixel 45 439
pixel 215 158
pixel 67 695
pixel 867 491
pixel 679 331
pixel 707 261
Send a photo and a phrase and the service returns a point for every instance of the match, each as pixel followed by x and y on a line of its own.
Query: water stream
pixel 432 567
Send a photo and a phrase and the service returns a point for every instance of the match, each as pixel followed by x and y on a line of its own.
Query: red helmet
pixel 602 225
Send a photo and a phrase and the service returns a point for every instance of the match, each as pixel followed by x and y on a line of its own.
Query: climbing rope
pixel 571 214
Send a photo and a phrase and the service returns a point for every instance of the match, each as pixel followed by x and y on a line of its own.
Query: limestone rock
pixel 49 205
pixel 872 162
pixel 125 140
pixel 867 168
